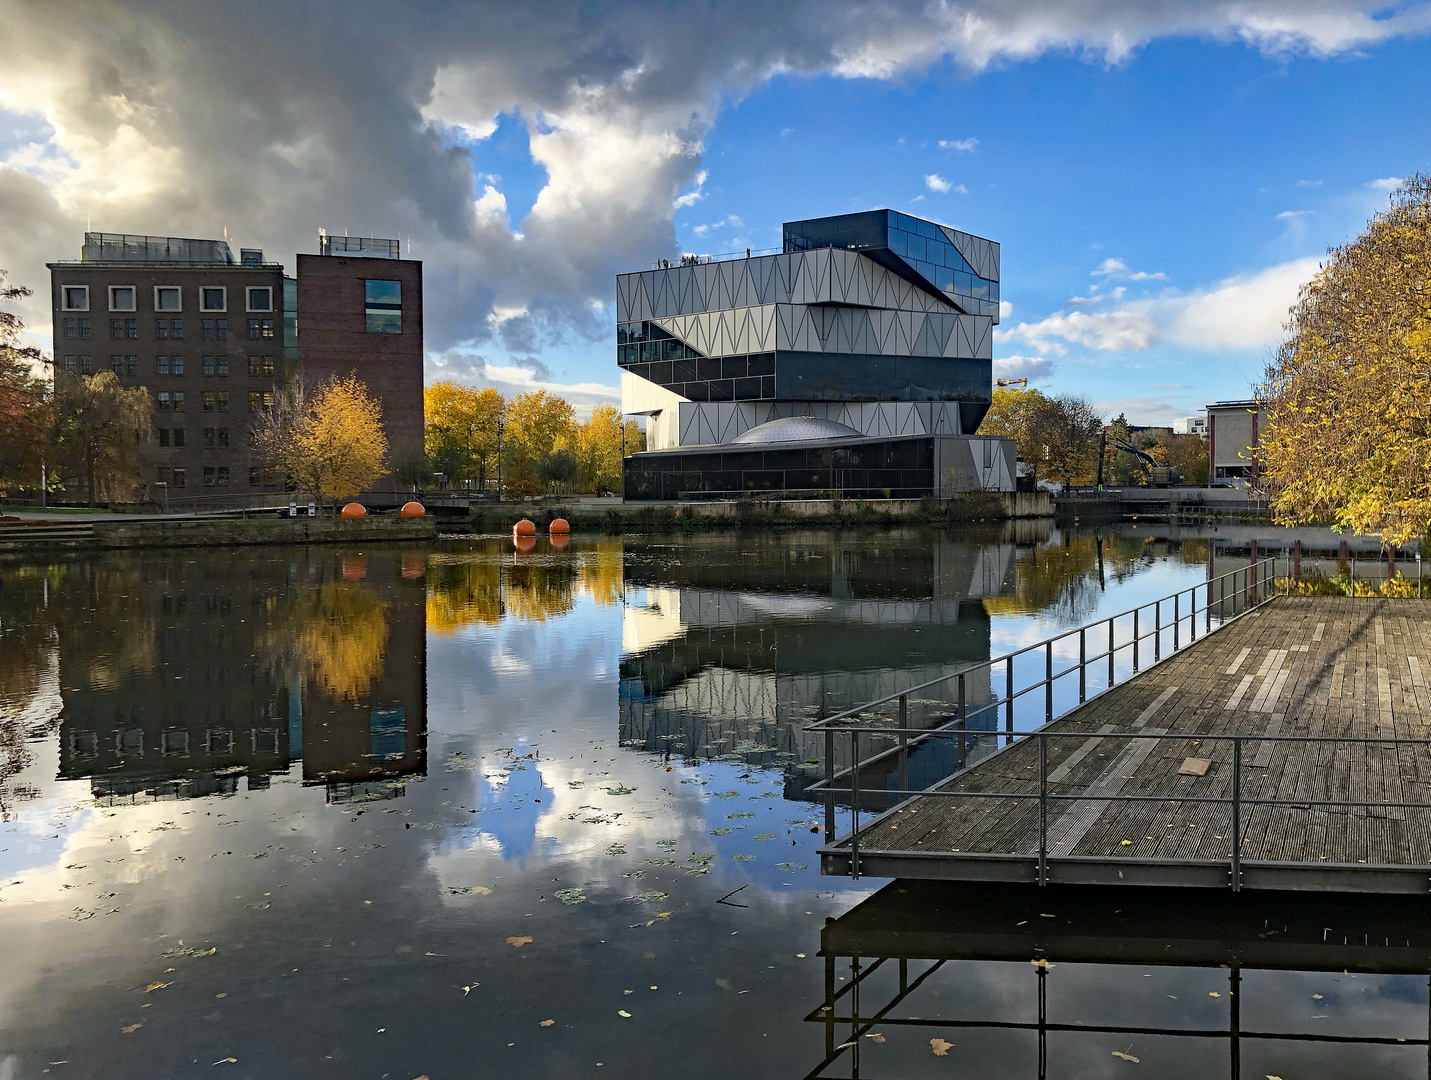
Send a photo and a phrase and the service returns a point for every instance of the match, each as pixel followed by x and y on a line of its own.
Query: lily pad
pixel 791 866
pixel 662 862
pixel 700 858
pixel 743 858
pixel 570 896
pixel 739 814
pixel 619 789
pixel 615 849
pixel 720 832
pixel 727 794
pixel 765 836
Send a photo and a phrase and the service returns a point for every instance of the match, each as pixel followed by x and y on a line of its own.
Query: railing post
pixel 1177 618
pixel 1043 809
pixel 1009 694
pixel 829 782
pixel 1048 682
pixel 1236 813
pixel 1082 664
pixel 1192 614
pixel 1135 641
pixel 1157 630
pixel 903 742
pixel 1111 672
pixel 963 725
pixel 1207 624
pixel 855 804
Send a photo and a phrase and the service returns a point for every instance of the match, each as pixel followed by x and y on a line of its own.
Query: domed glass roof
pixel 797 429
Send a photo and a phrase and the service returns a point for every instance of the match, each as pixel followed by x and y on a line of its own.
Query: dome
pixel 797 429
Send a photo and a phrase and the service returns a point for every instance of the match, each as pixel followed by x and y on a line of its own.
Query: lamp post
pixel 500 425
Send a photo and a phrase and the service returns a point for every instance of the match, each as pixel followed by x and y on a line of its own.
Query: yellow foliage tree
pixel 1348 395
pixel 330 445
pixel 539 427
pixel 599 443
pixel 460 435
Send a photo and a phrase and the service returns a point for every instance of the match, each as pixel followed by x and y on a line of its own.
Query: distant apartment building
pixel 1233 429
pixel 214 338
pixel 1195 425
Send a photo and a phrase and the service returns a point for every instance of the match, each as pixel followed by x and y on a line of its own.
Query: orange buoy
pixel 524 528
pixel 355 510
pixel 559 540
pixel 412 508
pixel 559 525
pixel 524 542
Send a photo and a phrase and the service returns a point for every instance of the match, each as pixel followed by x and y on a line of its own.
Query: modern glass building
pixel 878 324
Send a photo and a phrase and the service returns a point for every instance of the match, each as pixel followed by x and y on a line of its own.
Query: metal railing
pixel 1228 596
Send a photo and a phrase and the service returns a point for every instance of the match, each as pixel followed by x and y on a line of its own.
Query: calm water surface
pixel 465 811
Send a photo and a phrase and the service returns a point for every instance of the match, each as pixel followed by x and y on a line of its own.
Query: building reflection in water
pixel 181 676
pixel 1187 982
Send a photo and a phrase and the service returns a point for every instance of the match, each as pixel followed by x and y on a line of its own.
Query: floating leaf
pixel 940 1047
pixel 648 897
pixel 155 986
pixel 619 789
pixel 790 866
pixel 667 844
pixel 875 1036
pixel 615 849
pixel 570 896
pixel 765 836
pixel 700 858
pixel 130 1029
pixel 623 1012
pixel 634 874
pixel 727 794
pixel 720 832
pixel 1125 1057
pixel 547 1023
pixel 1213 993
pixel 518 942
pixel 743 858
pixel 471 890
pixel 740 814
pixel 662 862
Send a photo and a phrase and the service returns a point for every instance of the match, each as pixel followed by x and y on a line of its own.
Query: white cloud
pixel 1126 330
pixel 1109 266
pixel 1076 301
pixel 1117 270
pixel 1309 183
pixel 1023 367
pixel 967 146
pixel 1390 183
pixel 935 182
pixel 1006 308
pixel 694 196
pixel 1293 215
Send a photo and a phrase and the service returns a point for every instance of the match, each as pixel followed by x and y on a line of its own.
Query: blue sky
pixel 1162 178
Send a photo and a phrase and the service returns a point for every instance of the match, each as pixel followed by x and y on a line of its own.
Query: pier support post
pixel 903 742
pixel 1042 810
pixel 1296 562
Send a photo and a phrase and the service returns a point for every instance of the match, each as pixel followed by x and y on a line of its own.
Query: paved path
pixel 1297 666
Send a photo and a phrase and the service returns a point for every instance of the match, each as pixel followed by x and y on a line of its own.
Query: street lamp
pixel 500 425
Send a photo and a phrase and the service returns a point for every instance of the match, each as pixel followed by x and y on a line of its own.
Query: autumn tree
pixel 599 445
pixel 461 432
pixel 99 429
pixel 1012 416
pixel 1347 398
pixel 330 444
pixel 1057 438
pixel 24 400
pixel 539 425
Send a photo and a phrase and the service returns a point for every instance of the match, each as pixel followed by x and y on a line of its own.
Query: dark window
pixel 209 401
pixel 174 743
pixel 221 742
pixel 221 329
pixel 223 400
pixel 255 476
pixel 206 329
pixel 208 438
pixel 211 298
pixel 116 329
pixel 384 306
pixel 76 297
pixel 121 298
pixel 179 478
pixel 163 436
pixel 211 476
pixel 260 365
pixel 131 329
pixel 176 329
pixel 223 370
pixel 163 400
pixel 86 365
pixel 260 299
pixel 68 327
pixel 161 329
pixel 84 328
pixel 208 365
pixel 253 329
pixel 178 401
pixel 176 363
pixel 162 365
pixel 223 476
pixel 223 434
pixel 178 436
pixel 70 364
pixel 116 364
pixel 168 298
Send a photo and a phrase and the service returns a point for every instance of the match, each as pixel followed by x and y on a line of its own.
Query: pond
pixel 463 810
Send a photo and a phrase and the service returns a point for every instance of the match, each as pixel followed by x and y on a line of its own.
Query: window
pixel 168 298
pixel 223 476
pixel 84 744
pixel 162 365
pixel 260 365
pixel 208 438
pixel 84 328
pixel 179 480
pixel 71 365
pixel 121 298
pixel 130 743
pixel 176 364
pixel 223 434
pixel 216 477
pixel 86 365
pixel 208 365
pixel 116 328
pixel 209 401
pixel 174 743
pixel 178 400
pixel 163 436
pixel 206 329
pixel 221 329
pixel 116 364
pixel 131 329
pixel 223 400
pixel 265 741
pixel 161 329
pixel 223 371
pixel 255 476
pixel 74 298
pixel 178 434
pixel 260 329
pixel 384 301
pixel 176 329
pixel 260 298
pixel 164 401
pixel 260 399
pixel 213 298
pixel 67 327
pixel 221 742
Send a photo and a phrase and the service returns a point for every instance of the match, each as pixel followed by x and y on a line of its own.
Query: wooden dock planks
pixel 1325 666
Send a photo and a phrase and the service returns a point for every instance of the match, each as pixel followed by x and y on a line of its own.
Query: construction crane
pixel 1158 475
pixel 1011 382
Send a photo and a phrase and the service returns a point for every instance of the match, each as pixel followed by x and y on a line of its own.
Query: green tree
pixel 1347 399
pixel 99 429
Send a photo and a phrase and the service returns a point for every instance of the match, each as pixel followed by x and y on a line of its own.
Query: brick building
pixel 213 339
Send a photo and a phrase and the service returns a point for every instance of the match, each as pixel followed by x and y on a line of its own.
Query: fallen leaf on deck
pixel 1125 1057
pixel 155 986
pixel 1213 993
pixel 940 1047
pixel 227 1061
pixel 1042 964
pixel 1126 843
pixel 623 1012
pixel 518 942
pixel 875 1037
pixel 131 1029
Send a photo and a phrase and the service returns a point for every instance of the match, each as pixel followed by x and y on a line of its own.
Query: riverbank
pixel 30 536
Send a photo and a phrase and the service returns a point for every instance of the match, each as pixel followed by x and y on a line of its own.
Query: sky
pixel 1162 175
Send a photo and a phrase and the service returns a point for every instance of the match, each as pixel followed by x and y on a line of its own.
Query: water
pixel 386 812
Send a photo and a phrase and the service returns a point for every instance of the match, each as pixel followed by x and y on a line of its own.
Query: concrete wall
pixel 223 532
pixel 1010 505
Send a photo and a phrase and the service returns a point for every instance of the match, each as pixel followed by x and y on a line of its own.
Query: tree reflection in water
pixel 491 580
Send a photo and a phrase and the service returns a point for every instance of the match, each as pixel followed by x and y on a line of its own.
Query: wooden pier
pixel 1289 749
